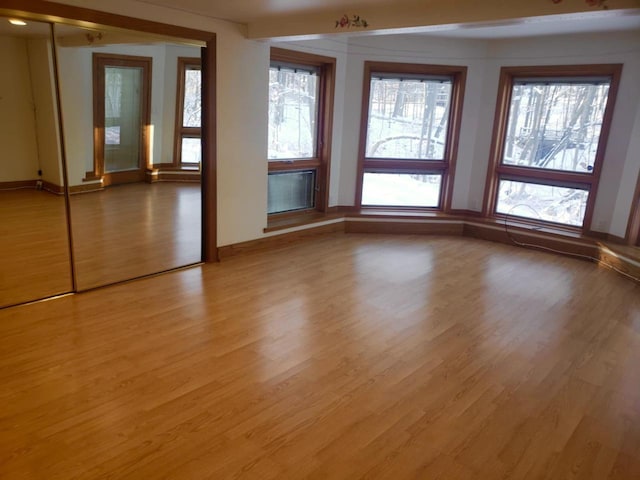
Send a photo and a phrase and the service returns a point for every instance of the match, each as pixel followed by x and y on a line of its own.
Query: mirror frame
pixel 39 10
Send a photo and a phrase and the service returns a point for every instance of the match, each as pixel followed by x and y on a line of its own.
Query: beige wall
pixel 43 90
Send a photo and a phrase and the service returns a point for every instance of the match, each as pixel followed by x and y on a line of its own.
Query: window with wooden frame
pixel 633 225
pixel 301 87
pixel 188 149
pixel 409 135
pixel 549 140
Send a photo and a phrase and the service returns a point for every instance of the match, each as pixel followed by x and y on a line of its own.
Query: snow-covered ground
pixel 542 202
pixel 401 190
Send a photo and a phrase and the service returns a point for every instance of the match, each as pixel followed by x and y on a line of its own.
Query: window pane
pixel 192 111
pixel 542 202
pixel 401 189
pixel 191 150
pixel 293 111
pixel 555 126
pixel 408 118
pixel 289 191
pixel 122 113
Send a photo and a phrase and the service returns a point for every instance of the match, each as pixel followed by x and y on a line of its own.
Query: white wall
pixel 18 146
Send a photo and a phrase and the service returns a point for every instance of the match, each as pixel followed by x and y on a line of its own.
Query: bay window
pixel 299 136
pixel 550 135
pixel 408 140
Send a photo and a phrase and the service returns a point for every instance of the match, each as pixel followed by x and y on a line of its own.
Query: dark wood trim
pixel 86 188
pixel 405 166
pixel 296 57
pixel 52 188
pixel 18 184
pixel 544 176
pixel 419 227
pixel 607 237
pixel 153 176
pixel 497 142
pixel 453 134
pixel 33 184
pixel 100 62
pixel 180 131
pixel 278 241
pixel 299 220
pixel 292 166
pixel 209 159
pixel 445 167
pixel 465 212
pixel 496 170
pixel 544 240
pixel 615 71
pixel 322 162
pixel 632 235
pixel 84 17
pixel 611 258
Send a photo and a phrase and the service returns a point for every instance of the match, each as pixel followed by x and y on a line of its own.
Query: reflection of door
pixel 121 118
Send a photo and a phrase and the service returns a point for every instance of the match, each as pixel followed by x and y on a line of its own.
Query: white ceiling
pixel 246 11
pixel 256 12
pixel 589 22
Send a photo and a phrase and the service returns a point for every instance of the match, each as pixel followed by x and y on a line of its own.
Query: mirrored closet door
pixel 131 109
pixel 100 153
pixel 34 246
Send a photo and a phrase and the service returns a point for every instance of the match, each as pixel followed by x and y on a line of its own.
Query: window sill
pixel 399 213
pixel 305 218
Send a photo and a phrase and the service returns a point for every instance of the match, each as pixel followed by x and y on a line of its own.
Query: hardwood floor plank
pixel 349 356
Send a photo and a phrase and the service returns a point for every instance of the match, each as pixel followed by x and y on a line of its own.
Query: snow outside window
pixel 293 112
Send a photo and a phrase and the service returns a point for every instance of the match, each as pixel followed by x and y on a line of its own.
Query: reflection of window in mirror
pixel 137 203
pixel 188 114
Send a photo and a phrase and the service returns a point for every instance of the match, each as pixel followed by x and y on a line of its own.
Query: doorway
pixel 121 98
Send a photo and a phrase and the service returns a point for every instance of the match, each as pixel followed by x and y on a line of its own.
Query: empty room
pixel 323 239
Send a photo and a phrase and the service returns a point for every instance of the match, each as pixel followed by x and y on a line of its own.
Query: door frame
pixel 100 62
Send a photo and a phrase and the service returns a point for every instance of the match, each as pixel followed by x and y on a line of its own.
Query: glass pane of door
pixel 122 122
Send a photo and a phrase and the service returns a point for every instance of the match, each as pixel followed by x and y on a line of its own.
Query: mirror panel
pixel 34 247
pixel 134 181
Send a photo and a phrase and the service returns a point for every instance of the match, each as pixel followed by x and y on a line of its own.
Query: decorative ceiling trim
pixel 354 21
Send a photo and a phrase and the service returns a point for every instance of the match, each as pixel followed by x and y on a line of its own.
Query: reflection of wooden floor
pixel 136 229
pixel 350 356
pixel 34 252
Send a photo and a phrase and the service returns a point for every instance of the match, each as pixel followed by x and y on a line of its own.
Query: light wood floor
pixel 120 233
pixel 345 357
pixel 131 230
pixel 34 250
